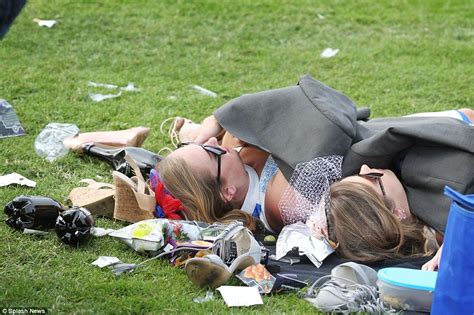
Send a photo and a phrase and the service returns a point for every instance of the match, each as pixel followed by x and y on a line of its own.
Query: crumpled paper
pixel 104 261
pixel 97 97
pixel 329 53
pixel 299 235
pixel 45 23
pixel 15 178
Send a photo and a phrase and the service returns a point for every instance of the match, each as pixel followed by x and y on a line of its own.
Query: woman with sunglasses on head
pixel 400 212
pixel 218 183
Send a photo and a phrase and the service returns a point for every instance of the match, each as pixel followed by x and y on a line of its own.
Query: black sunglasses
pixel 218 152
pixel 375 176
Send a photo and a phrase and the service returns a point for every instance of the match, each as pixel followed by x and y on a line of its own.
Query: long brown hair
pixel 199 192
pixel 363 224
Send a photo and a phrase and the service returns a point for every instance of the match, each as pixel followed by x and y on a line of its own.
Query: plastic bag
pixel 49 143
pixel 151 235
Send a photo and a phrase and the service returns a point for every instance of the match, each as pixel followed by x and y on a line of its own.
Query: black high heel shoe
pixel 115 157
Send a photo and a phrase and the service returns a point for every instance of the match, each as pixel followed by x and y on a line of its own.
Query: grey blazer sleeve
pixel 434 152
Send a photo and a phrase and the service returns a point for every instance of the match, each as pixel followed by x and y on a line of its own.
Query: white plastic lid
pixel 409 278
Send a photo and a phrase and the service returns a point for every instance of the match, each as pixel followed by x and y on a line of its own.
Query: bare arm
pixel 209 128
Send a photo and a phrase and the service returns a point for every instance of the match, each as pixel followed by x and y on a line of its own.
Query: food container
pixel 407 289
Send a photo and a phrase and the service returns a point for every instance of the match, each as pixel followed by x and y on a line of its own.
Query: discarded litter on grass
pixel 104 261
pixel 100 232
pixel 101 97
pixel 9 123
pixel 321 17
pixel 329 53
pixel 35 232
pixel 257 276
pixel 130 88
pixel 202 299
pixel 16 179
pixel 45 23
pixel 299 235
pixel 240 296
pixel 121 268
pixel 104 85
pixel 204 91
pixel 49 143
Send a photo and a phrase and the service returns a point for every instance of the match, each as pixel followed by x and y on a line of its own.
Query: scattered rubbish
pixel 9 123
pixel 150 235
pixel 288 260
pixel 142 236
pixel 101 97
pixel 73 226
pixel 100 232
pixel 185 250
pixel 240 296
pixel 172 98
pixel 46 23
pixel 321 17
pixel 104 261
pixel 105 85
pixel 121 268
pixel 32 212
pixel 287 282
pixel 298 235
pixel 16 179
pixel 202 299
pixel 130 88
pixel 204 91
pixel 49 143
pixel 257 276
pixel 35 232
pixel 329 52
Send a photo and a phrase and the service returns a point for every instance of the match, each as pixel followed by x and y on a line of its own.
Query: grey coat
pixel 298 123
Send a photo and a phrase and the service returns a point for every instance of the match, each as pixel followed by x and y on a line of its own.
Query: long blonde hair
pixel 199 192
pixel 363 224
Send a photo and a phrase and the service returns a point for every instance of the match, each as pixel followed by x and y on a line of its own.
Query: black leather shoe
pixel 146 160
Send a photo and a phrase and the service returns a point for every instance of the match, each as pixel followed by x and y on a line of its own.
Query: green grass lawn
pixel 397 57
